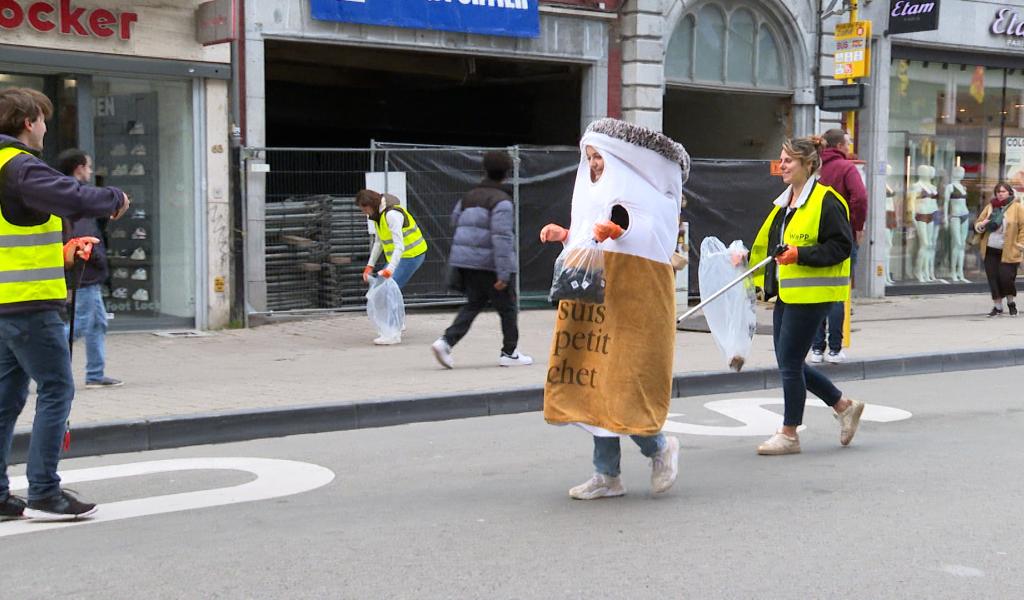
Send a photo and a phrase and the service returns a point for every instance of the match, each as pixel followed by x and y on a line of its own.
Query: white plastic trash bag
pixel 731 317
pixel 579 274
pixel 385 307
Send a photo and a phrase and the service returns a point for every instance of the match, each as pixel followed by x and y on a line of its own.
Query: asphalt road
pixel 925 505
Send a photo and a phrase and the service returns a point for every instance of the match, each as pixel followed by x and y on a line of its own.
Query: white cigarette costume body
pixel 610 368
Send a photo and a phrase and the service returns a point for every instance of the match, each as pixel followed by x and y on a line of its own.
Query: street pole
pixel 851 130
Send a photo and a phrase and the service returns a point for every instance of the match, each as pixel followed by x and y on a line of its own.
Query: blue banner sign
pixel 515 18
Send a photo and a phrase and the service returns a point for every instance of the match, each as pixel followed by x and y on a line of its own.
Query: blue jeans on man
pixel 33 346
pixel 91 323
pixel 833 322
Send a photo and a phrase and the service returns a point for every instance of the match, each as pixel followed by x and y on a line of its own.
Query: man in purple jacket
pixel 838 172
pixel 33 259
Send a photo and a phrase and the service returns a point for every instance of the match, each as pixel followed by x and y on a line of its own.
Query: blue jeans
pixel 33 346
pixel 607 451
pixel 834 321
pixel 91 323
pixel 793 331
pixel 406 268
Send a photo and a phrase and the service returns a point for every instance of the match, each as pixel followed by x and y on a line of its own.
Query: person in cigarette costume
pixel 610 368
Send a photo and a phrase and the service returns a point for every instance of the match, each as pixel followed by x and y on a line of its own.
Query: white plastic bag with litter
pixel 731 318
pixel 385 307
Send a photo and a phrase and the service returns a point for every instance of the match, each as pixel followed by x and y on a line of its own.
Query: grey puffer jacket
pixel 484 238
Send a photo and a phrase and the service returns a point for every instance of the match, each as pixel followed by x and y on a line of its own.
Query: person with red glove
pixel 810 235
pixel 33 344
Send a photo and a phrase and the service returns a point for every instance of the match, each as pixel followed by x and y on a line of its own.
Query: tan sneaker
pixel 779 443
pixel 849 420
pixel 599 486
pixel 665 466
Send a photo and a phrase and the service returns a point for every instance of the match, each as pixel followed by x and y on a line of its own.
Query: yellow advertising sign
pixel 853 50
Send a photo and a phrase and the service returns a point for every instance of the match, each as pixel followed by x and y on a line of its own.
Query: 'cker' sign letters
pixel 62 16
pixel 514 18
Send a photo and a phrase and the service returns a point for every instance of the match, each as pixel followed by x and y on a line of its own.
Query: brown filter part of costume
pixel 611 364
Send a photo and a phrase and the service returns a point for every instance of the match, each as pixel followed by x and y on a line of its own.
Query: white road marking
pixel 757 421
pixel 274 478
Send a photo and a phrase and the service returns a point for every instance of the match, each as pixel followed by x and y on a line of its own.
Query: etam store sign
pixel 62 16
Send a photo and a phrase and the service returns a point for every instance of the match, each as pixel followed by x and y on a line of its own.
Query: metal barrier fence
pixel 317 241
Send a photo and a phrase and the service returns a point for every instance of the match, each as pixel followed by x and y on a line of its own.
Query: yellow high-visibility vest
pixel 31 258
pixel 412 237
pixel 799 284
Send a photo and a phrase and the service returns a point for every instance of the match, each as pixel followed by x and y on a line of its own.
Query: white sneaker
pixel 517 359
pixel 141 295
pixel 836 357
pixel 119 150
pixel 779 443
pixel 443 353
pixel 665 466
pixel 598 486
pixel 139 274
pixel 138 254
pixel 849 420
pixel 817 357
pixel 388 341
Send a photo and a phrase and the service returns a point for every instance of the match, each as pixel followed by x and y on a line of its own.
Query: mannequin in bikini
pixel 956 202
pixel 924 198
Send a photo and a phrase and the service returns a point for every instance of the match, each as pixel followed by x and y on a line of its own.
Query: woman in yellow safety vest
pixel 808 231
pixel 398 237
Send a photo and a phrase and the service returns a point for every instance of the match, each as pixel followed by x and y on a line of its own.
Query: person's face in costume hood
pixel 596 162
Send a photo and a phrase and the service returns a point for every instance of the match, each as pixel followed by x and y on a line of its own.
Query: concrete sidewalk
pixel 332 361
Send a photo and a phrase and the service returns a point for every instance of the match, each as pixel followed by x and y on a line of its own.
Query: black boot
pixel 1013 308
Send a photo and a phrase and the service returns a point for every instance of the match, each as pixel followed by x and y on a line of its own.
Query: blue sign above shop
pixel 515 18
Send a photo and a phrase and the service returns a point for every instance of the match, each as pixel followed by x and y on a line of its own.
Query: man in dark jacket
pixel 33 346
pixel 839 173
pixel 483 261
pixel 88 277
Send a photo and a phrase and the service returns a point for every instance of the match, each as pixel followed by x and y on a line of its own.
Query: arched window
pixel 728 45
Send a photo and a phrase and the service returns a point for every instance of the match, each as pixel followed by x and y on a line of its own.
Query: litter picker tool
pixel 779 250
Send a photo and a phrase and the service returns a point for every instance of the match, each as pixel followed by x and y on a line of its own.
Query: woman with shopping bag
pixel 809 231
pixel 610 367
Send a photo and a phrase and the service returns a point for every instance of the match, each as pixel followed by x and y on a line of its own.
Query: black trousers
pixel 480 293
pixel 1001 276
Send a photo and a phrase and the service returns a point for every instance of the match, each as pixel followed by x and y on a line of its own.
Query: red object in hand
pixel 367 270
pixel 606 229
pixel 789 256
pixel 553 233
pixel 79 247
pixel 385 273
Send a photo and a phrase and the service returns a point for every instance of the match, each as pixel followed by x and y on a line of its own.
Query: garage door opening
pixel 321 95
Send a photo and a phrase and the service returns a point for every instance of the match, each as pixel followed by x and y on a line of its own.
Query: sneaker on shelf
pixel 120 171
pixel 443 353
pixel 62 506
pixel 1013 308
pixel 516 359
pixel 835 357
pixel 137 128
pixel 388 341
pixel 120 273
pixel 849 420
pixel 665 466
pixel 139 150
pixel 139 213
pixel 118 234
pixel 139 274
pixel 817 356
pixel 141 295
pixel 598 486
pixel 11 507
pixel 101 172
pixel 119 150
pixel 139 254
pixel 105 382
pixel 779 444
pixel 139 234
pixel 120 293
pixel 137 170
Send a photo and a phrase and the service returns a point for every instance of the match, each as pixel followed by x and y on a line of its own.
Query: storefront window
pixel 144 145
pixel 954 131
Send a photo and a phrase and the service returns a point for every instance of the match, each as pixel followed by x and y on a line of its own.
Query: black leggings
pixel 1001 276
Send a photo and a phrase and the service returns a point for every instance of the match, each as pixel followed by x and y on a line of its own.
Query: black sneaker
pixel 12 507
pixel 1013 309
pixel 995 312
pixel 63 506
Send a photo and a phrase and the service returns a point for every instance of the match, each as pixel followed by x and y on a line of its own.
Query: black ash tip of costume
pixel 644 138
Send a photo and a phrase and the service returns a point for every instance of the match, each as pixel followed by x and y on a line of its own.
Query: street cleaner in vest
pixel 610 367
pixel 811 271
pixel 33 344
pixel 398 236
